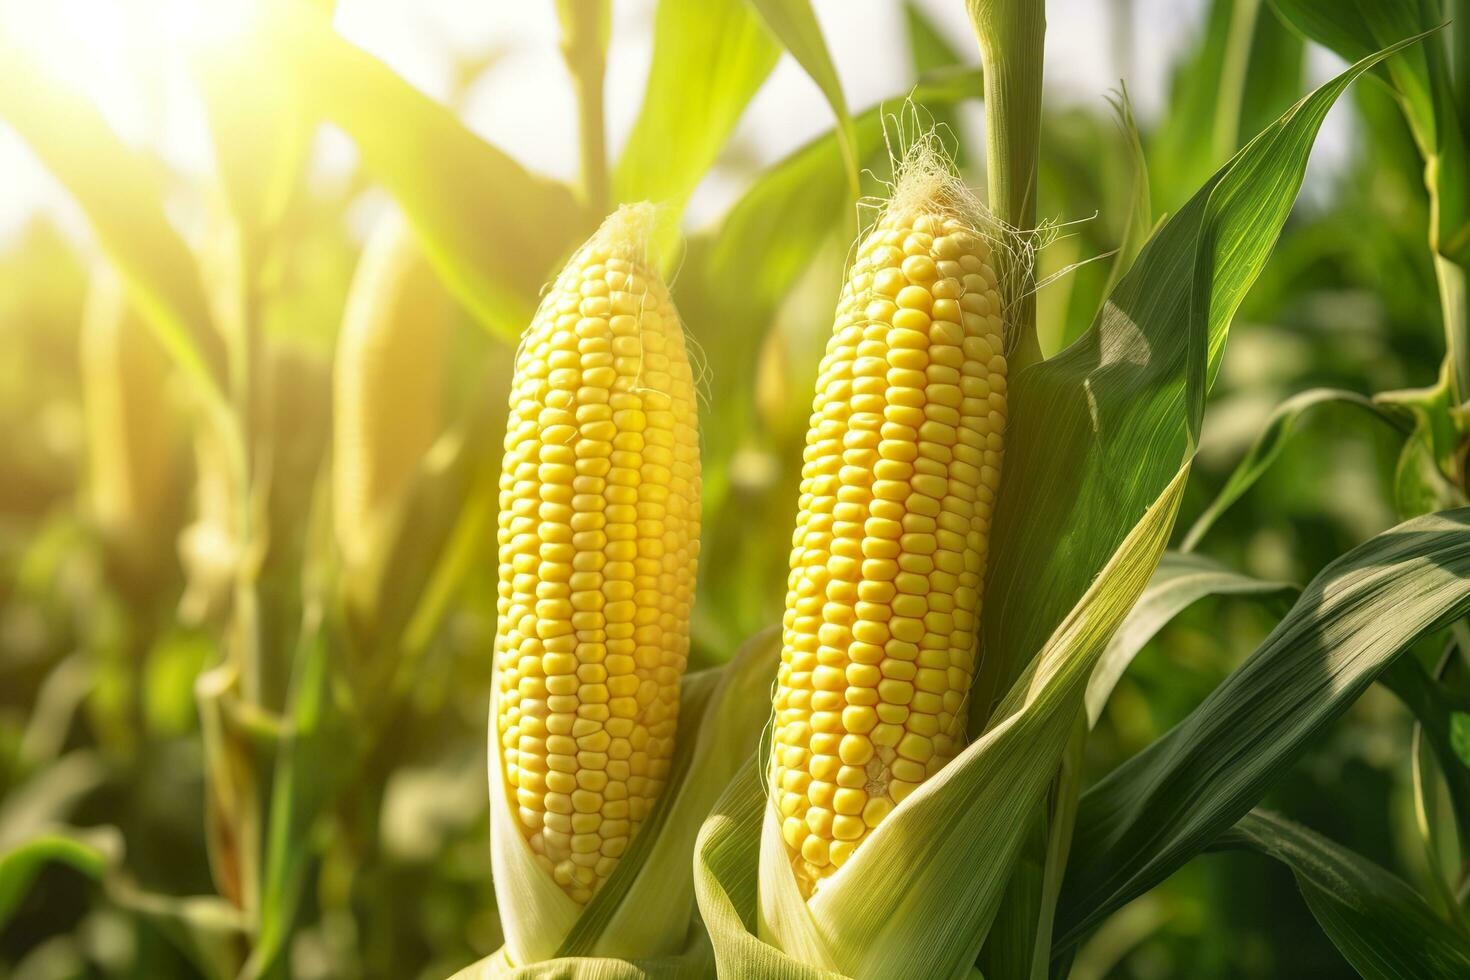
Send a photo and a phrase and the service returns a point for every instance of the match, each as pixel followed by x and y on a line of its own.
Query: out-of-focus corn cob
pixel 388 381
pixel 131 429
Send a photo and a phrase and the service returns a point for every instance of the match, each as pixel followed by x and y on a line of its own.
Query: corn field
pixel 778 489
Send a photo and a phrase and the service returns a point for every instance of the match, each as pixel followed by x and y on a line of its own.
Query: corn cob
pixel 387 381
pixel 599 542
pixel 900 472
pixel 130 433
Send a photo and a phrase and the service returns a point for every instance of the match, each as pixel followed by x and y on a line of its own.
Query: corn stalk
pixel 1452 274
pixel 586 28
pixel 1011 34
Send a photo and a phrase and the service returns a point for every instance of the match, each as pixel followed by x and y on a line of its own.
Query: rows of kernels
pixel 599 540
pixel 900 473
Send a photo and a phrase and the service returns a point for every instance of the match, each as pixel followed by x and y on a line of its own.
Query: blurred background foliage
pixel 100 646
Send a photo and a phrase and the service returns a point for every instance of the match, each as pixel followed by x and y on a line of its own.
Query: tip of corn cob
pixel 925 182
pixel 627 233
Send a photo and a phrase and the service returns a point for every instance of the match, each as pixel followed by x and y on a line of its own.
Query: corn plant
pixel 467 629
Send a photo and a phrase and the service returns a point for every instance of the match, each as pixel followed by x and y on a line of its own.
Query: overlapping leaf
pixel 495 232
pixel 1270 443
pixel 1094 431
pixel 1422 80
pixel 1179 582
pixel 1168 803
pixel 1380 924
pixel 795 24
pixel 709 59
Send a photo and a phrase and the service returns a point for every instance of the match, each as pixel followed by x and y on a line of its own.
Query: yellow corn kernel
pixel 599 543
pixel 895 510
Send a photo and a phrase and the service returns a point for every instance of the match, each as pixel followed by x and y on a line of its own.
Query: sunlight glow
pixel 89 45
pixel 193 26
pixel 130 58
pixel 120 53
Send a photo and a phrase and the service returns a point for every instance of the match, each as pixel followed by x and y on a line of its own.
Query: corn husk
pixel 644 911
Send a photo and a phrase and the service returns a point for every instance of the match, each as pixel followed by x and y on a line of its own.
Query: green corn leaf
pixel 1179 582
pixel 1163 806
pixel 1433 109
pixel 205 929
pixel 1379 924
pixel 1244 71
pixel 1093 432
pixel 493 231
pixel 91 852
pixel 1419 485
pixel 795 25
pixel 1270 444
pixel 709 59
pixel 1421 78
pixel 1353 28
pixel 124 203
pixel 311 767
pixel 1140 222
pixel 1435 761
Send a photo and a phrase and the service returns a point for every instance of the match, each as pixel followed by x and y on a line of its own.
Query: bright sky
pixel 525 104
